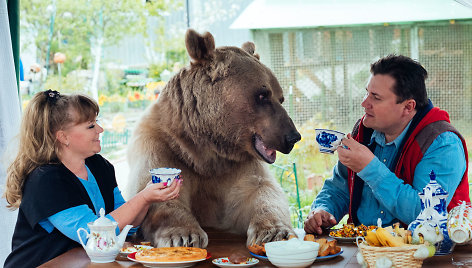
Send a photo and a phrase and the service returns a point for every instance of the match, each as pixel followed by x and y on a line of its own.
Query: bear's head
pixel 229 102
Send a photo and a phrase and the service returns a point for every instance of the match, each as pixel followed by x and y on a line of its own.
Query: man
pixel 387 159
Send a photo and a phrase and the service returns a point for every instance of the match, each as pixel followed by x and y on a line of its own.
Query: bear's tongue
pixel 268 154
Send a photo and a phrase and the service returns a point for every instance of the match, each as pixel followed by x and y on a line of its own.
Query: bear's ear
pixel 199 47
pixel 250 48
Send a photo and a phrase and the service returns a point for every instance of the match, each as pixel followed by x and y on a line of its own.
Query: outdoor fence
pixel 111 139
pixel 325 70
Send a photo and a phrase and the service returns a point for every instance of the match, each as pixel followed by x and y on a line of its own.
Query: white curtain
pixel 9 126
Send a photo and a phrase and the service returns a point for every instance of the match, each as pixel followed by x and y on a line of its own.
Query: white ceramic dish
pixel 166 264
pixel 285 262
pixel 224 262
pixel 292 247
pixel 293 253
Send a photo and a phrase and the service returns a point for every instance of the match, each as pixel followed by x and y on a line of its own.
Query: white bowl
pixel 291 263
pixel 294 256
pixel 293 253
pixel 291 247
pixel 289 258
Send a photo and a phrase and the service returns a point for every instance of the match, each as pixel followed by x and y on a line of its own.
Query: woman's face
pixel 83 138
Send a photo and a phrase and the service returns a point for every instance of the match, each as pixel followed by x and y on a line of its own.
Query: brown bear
pixel 219 120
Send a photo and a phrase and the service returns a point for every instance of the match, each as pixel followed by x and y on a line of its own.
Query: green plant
pixel 156 69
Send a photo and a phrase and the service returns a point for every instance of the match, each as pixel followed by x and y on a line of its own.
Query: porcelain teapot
pixel 432 220
pixel 102 243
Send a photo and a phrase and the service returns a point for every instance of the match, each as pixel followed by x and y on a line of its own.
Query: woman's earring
pixel 67 144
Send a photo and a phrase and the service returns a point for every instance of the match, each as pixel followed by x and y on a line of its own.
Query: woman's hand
pixel 159 192
pixel 134 211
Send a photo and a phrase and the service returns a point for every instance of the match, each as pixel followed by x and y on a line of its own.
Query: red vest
pixel 412 152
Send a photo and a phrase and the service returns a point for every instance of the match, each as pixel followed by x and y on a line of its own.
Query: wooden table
pixel 223 244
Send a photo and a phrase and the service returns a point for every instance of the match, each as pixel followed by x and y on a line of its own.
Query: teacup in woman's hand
pixel 328 139
pixel 167 175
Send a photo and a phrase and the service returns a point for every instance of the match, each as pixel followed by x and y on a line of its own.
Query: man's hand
pixel 356 157
pixel 318 218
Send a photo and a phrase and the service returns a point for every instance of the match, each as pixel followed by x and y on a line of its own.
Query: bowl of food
pixel 292 253
pixel 349 232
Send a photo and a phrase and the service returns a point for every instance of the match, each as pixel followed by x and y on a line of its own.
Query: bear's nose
pixel 293 137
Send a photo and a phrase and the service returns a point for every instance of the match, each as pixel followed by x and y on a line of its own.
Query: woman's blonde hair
pixel 47 112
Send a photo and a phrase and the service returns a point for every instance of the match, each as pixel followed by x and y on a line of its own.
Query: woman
pixel 59 182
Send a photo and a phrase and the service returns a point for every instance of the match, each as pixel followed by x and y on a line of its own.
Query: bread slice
pixel 332 247
pixel 309 237
pixel 323 246
pixel 324 251
pixel 257 249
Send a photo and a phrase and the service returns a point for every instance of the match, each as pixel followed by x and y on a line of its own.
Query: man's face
pixel 382 112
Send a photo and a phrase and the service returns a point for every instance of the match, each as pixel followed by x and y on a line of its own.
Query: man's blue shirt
pixel 386 196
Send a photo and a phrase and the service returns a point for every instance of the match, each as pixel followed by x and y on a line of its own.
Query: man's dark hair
pixel 409 77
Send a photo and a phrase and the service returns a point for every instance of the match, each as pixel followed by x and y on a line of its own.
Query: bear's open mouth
pixel 267 154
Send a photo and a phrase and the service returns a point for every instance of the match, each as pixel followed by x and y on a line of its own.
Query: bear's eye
pixel 262 97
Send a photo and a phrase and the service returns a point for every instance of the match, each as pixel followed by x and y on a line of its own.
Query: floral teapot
pixel 103 245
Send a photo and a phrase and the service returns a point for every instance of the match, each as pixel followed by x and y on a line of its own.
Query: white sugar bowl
pixel 293 253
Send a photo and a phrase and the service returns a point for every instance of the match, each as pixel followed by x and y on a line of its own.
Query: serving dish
pixel 328 257
pixel 132 257
pixel 224 262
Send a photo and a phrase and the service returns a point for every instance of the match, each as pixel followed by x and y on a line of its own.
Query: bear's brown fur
pixel 217 120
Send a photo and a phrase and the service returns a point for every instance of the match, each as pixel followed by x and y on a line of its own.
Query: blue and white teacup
pixel 328 139
pixel 168 175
